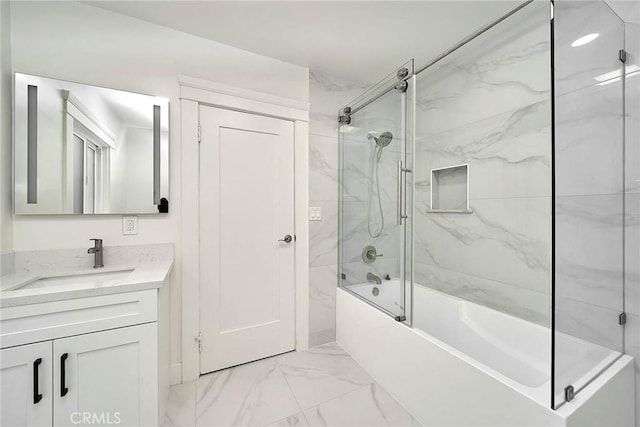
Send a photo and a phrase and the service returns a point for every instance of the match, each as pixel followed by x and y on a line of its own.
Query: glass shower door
pixel 375 171
pixel 589 201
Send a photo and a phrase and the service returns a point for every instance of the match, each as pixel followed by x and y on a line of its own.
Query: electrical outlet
pixel 129 225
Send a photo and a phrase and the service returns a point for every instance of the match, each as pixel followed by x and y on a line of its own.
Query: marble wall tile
pixel 520 302
pixel 500 71
pixel 508 154
pixel 586 65
pixel 322 308
pixel 323 235
pixel 328 94
pixel 589 150
pixel 504 240
pixel 488 105
pixel 591 323
pixel 628 10
pixel 632 253
pixel 356 226
pixel 632 108
pixel 323 167
pixel 589 249
pixel 356 272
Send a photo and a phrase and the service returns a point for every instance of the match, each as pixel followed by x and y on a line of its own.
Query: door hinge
pixel 199 341
pixel 569 393
pixel 199 133
pixel 622 55
pixel 622 318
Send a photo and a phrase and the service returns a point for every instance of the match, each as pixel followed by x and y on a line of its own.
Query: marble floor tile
pixel 368 406
pixel 181 406
pixel 255 394
pixel 274 392
pixel 322 373
pixel 296 420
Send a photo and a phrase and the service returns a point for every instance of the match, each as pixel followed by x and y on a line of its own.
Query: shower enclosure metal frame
pixel 402 81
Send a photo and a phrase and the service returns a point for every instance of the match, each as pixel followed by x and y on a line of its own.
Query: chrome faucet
pixel 373 278
pixel 97 251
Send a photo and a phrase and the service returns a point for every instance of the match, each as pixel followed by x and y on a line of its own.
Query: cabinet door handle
pixel 37 397
pixel 63 389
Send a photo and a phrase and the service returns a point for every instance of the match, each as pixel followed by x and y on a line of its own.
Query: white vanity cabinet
pixel 110 377
pixel 25 385
pixel 97 365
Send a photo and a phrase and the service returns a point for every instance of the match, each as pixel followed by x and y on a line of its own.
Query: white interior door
pixel 246 209
pixel 25 385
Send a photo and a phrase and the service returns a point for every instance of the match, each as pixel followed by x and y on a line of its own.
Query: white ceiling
pixel 358 40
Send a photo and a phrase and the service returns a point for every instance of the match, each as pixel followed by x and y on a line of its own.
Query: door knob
pixel 287 239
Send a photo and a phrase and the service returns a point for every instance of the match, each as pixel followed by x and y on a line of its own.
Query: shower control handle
pixel 286 239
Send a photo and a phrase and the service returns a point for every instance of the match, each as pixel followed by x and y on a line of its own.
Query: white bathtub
pixel 506 359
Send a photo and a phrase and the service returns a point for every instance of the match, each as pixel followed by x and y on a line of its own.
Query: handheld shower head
pixel 381 141
pixel 384 139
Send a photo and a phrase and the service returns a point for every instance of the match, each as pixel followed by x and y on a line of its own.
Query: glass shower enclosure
pixel 375 163
pixel 474 176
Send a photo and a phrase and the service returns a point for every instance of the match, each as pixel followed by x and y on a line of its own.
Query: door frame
pixel 193 93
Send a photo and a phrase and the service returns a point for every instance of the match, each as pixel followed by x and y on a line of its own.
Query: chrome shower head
pixel 381 141
pixel 384 139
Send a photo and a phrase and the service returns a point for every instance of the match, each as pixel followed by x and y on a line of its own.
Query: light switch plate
pixel 315 214
pixel 129 225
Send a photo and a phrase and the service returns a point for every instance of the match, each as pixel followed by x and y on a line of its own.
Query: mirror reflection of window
pixel 87 175
pixel 78 174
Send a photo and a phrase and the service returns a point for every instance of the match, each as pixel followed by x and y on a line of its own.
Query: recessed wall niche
pixel 450 189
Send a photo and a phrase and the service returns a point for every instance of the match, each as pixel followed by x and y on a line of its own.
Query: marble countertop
pixel 149 270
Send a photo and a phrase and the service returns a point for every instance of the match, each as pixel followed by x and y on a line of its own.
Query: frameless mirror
pixel 81 149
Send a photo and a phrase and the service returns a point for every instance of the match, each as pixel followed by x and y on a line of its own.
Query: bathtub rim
pixel 542 400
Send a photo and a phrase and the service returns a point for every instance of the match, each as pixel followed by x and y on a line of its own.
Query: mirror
pixel 81 149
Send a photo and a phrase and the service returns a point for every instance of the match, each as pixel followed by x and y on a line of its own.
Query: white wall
pixel 6 231
pixel 77 42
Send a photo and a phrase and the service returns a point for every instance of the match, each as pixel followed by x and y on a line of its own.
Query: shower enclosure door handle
pixel 401 188
pixel 399 196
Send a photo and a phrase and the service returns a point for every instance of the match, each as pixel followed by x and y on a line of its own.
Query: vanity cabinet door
pixel 107 378
pixel 25 385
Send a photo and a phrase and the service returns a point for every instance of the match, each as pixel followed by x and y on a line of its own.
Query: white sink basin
pixel 97 278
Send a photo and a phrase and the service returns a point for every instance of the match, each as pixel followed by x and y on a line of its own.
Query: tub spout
pixel 373 278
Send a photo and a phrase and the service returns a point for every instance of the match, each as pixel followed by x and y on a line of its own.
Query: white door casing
pixel 247 276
